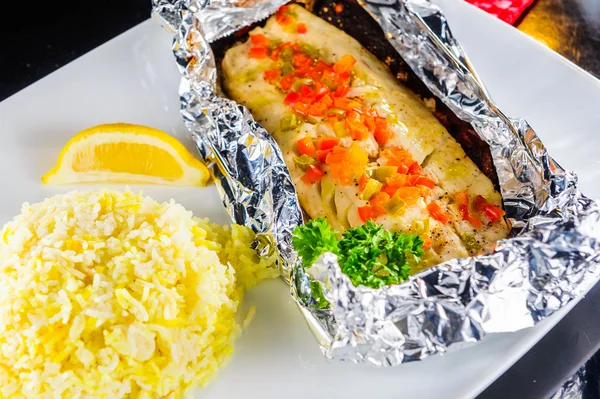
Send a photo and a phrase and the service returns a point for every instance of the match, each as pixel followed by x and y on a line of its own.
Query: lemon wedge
pixel 126 153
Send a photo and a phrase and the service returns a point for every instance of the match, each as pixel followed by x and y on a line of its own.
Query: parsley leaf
pixel 375 257
pixel 369 255
pixel 313 239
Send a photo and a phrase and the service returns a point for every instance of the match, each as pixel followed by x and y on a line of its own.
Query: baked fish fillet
pixel 358 144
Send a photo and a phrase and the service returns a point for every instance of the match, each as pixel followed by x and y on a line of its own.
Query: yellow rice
pixel 111 295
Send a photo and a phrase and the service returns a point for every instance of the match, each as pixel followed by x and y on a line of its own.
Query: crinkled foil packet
pixel 551 259
pixel 573 388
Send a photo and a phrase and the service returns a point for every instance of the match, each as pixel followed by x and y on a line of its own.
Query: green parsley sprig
pixel 369 255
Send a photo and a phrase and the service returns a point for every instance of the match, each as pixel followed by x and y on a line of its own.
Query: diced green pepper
pixel 299 82
pixel 286 54
pixel 471 243
pixel 336 111
pixel 330 83
pixel 287 68
pixel 372 188
pixel 309 50
pixel 304 161
pixel 382 173
pixel 289 122
pixel 395 206
pixel 273 44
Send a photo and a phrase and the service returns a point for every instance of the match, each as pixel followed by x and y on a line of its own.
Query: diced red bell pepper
pixel 275 53
pixel 369 122
pixel 258 52
pixel 494 213
pixel 341 102
pixel 291 98
pixel 301 108
pixel 306 146
pixel 382 135
pixel 322 155
pixel 306 91
pixel 480 203
pixel 342 90
pixel 362 182
pixel 321 90
pixel 398 157
pixel 321 66
pixel 462 199
pixel 259 40
pixel 436 211
pixel 380 123
pixel 301 28
pixel 313 174
pixel 378 202
pixel 424 181
pixel 301 60
pixel 282 16
pixel 389 189
pixel 365 213
pixel 415 168
pixel 271 75
pixel 327 143
pixel 326 100
pixel 356 127
pixel 345 77
pixel 287 81
pixel 317 109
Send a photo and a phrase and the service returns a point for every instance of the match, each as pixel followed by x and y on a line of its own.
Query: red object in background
pixel 507 10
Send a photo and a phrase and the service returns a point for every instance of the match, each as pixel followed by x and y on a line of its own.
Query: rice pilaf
pixel 109 294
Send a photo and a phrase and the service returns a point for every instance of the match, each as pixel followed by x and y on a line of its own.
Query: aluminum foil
pixel 551 259
pixel 573 388
pixel 247 164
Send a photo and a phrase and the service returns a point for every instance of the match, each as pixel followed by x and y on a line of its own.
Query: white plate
pixel 133 78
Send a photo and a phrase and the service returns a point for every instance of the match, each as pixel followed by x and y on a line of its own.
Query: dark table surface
pixel 46 35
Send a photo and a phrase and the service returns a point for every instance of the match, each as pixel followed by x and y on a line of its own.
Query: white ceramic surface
pixel 133 79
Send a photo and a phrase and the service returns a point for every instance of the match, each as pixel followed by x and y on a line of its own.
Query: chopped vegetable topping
pixel 259 40
pixel 317 92
pixel 347 163
pixel 304 161
pixel 365 213
pixel 437 212
pixel 462 199
pixel 284 16
pixel 307 147
pixel 395 206
pixel 369 255
pixel 482 207
pixel 313 174
pixel 371 188
pixel 258 52
pixel 494 213
pixel 272 75
pixel 301 28
pixel 289 122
